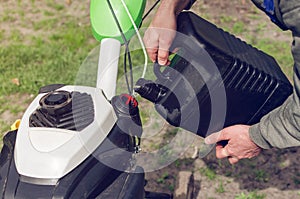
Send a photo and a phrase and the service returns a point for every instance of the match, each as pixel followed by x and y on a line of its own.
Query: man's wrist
pixel 175 6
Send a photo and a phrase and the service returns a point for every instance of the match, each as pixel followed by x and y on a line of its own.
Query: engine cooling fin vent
pixel 242 76
pixel 64 110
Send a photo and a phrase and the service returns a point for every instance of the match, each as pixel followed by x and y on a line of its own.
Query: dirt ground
pixel 275 174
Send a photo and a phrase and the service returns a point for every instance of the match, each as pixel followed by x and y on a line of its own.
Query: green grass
pixel 209 173
pixel 220 188
pixel 46 60
pixel 52 4
pixel 3 125
pixel 7 17
pixel 52 55
pixel 46 24
pixel 2 34
pixel 251 195
pixel 162 179
pixel 49 13
pixel 238 27
pixel 16 36
pixel 261 175
pixel 225 19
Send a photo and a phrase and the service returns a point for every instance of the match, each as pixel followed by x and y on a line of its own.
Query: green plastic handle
pixel 104 24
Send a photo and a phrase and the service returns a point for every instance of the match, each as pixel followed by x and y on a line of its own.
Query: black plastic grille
pixel 79 116
pixel 242 76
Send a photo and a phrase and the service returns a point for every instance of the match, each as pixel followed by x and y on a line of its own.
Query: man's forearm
pixel 281 127
pixel 175 6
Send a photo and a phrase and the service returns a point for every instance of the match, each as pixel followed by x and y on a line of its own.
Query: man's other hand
pixel 239 144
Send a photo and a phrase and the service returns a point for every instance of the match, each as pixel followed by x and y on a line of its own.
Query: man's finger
pixel 218 136
pixel 221 152
pixel 152 50
pixel 165 42
pixel 163 56
pixel 152 53
pixel 233 159
pixel 152 43
pixel 212 139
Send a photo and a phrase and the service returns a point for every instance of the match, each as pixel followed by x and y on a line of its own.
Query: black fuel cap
pixel 56 102
pixel 56 98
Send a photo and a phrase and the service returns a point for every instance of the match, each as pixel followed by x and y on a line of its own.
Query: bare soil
pixel 275 173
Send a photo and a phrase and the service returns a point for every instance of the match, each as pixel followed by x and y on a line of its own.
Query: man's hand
pixel 239 144
pixel 161 32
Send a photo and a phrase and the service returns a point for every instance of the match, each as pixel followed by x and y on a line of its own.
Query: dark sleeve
pixel 190 4
pixel 281 127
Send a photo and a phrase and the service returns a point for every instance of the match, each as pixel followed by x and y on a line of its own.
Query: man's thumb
pixel 213 138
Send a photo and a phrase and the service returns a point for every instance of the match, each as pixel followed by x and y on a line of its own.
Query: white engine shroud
pixel 50 153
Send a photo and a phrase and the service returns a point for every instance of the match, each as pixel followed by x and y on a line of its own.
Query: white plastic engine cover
pixel 50 153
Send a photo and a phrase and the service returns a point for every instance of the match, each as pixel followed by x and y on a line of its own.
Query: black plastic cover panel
pixel 253 82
